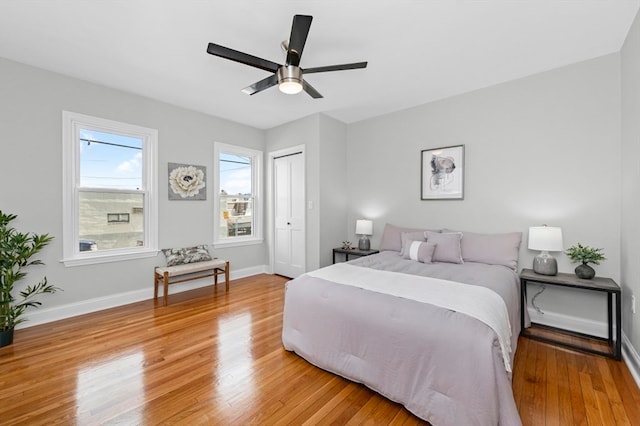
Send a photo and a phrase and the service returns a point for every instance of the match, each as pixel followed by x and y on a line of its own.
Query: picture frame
pixel 187 182
pixel 442 173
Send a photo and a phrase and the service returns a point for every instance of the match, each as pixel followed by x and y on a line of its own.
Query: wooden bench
pixel 189 271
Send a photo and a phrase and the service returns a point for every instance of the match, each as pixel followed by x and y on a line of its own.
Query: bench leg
pixel 166 288
pixel 155 285
pixel 226 275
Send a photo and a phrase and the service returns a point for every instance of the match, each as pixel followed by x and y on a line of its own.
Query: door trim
pixel 270 217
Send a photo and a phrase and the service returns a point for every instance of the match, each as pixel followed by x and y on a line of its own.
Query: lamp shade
pixel 545 238
pixel 364 227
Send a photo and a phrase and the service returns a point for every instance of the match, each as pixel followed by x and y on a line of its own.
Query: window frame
pixel 72 124
pixel 256 184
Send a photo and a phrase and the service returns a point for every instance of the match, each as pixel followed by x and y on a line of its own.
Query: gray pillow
pixel 391 237
pixel 420 251
pixel 179 256
pixel 492 249
pixel 447 246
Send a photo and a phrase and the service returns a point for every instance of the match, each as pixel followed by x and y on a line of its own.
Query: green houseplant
pixel 585 255
pixel 16 253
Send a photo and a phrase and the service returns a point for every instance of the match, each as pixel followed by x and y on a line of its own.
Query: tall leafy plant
pixel 16 252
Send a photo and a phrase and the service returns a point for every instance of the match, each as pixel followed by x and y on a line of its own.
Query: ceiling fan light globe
pixel 290 87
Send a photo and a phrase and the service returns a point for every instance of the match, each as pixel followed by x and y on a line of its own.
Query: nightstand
pixel 606 285
pixel 352 252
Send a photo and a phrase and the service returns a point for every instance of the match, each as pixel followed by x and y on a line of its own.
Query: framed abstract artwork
pixel 442 173
pixel 187 182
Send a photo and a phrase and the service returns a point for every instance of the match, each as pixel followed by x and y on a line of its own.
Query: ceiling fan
pixel 289 76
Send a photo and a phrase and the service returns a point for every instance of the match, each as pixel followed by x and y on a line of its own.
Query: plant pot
pixel 6 337
pixel 585 271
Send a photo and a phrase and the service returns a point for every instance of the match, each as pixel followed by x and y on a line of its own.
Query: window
pixel 237 204
pixel 109 170
pixel 118 217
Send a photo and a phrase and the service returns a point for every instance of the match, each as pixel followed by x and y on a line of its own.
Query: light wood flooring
pixel 216 358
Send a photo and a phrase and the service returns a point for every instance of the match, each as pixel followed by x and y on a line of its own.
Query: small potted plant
pixel 16 252
pixel 585 255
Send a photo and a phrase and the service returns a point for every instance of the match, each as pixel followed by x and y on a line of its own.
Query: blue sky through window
pixel 235 174
pixel 110 160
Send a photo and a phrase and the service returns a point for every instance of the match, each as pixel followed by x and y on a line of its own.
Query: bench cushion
pixel 189 268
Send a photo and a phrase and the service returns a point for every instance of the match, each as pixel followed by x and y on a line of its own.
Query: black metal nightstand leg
pixel 610 317
pixel 523 303
pixel 618 353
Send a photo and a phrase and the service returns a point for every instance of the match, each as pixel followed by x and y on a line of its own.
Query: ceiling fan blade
pixel 243 58
pixel 310 90
pixel 261 85
pixel 298 37
pixel 355 65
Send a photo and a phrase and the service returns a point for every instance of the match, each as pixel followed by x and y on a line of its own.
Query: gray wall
pixel 31 104
pixel 542 149
pixel 630 244
pixel 332 187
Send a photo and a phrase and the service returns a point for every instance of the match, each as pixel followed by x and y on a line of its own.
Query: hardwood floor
pixel 211 357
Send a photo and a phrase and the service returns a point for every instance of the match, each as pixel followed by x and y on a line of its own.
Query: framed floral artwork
pixel 442 176
pixel 187 182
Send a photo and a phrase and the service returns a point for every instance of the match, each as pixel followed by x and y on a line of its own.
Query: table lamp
pixel 545 238
pixel 364 228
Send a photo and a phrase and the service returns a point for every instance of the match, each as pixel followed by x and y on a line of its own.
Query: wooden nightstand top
pixel 352 252
pixel 355 251
pixel 571 280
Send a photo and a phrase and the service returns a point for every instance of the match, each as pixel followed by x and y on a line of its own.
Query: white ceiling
pixel 418 51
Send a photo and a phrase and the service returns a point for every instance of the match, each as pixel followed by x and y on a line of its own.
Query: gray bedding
pixel 443 366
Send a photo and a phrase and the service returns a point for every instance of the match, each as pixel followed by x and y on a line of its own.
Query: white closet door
pixel 289 213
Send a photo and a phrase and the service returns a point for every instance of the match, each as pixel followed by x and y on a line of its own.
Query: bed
pixel 431 322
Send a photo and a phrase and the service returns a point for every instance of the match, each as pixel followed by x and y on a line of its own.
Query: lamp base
pixel 545 264
pixel 364 243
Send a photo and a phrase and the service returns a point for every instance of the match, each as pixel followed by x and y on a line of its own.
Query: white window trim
pixel 258 210
pixel 71 124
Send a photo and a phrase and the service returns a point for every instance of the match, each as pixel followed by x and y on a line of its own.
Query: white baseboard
pixel 42 316
pixel 580 325
pixel 631 358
